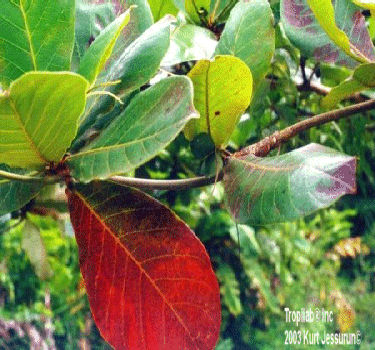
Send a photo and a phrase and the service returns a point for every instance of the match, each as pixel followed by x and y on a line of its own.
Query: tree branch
pixel 170 185
pixel 263 147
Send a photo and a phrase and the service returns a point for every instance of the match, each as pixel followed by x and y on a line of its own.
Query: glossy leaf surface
pixel 249 35
pixel 367 4
pixel 35 35
pixel 306 33
pixel 222 92
pixel 135 67
pixel 150 122
pixel 286 187
pixel 39 116
pixel 98 53
pixel 363 78
pixel 190 43
pixel 160 8
pixel 15 194
pixel 149 280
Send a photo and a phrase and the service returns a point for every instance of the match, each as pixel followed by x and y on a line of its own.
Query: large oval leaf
pixel 151 121
pixel 39 117
pixel 249 34
pixel 149 280
pixel 222 92
pixel 35 35
pixel 190 43
pixel 306 33
pixel 280 188
pixel 15 194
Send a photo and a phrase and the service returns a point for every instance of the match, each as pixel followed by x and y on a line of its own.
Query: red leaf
pixel 149 279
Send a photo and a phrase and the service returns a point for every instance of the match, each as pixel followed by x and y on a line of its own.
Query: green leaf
pixel 229 289
pixel 150 122
pixel 160 8
pixel 33 245
pixel 222 92
pixel 197 9
pixel 190 43
pixel 325 15
pixel 16 194
pixel 345 26
pixel 249 34
pixel 39 116
pixel 90 21
pixel 98 53
pixel 276 189
pixel 135 67
pixel 35 35
pixel 363 78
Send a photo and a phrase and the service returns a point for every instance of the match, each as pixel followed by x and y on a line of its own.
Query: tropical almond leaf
pixel 152 120
pixel 222 92
pixel 304 30
pixel 367 4
pixel 100 50
pixel 35 35
pixel 363 78
pixel 160 8
pixel 190 43
pixel 15 194
pixel 275 189
pixel 39 116
pixel 139 62
pixel 325 15
pixel 33 245
pixel 126 241
pixel 249 34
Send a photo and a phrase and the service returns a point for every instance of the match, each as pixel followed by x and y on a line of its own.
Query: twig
pixel 170 185
pixel 263 147
pixel 315 87
pixel 28 178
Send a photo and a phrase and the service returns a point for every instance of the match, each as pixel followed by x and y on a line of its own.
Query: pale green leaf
pixel 222 92
pixel 249 34
pixel 39 116
pixel 33 245
pixel 287 187
pixel 35 35
pixel 150 122
pixel 15 194
pixel 100 50
pixel 190 43
pixel 362 79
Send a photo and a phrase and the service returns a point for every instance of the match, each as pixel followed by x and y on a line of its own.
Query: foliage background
pixel 308 263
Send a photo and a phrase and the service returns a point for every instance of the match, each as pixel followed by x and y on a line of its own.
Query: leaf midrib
pixel 28 33
pixel 28 137
pixel 101 222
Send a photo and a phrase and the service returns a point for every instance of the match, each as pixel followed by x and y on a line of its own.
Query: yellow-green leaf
pixel 222 92
pixel 98 53
pixel 325 15
pixel 363 78
pixel 39 116
pixel 367 4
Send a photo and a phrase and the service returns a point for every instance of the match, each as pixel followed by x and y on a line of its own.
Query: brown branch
pixel 263 147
